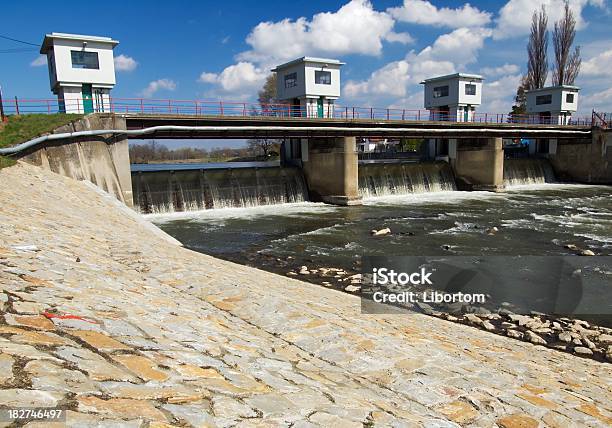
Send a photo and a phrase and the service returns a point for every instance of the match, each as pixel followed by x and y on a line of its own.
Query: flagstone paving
pixel 108 320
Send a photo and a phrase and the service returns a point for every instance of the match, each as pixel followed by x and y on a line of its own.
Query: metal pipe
pixel 151 130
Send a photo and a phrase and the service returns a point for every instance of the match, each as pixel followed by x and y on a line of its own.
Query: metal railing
pixel 601 120
pixel 221 108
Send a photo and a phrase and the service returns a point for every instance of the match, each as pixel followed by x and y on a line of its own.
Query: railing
pixel 601 120
pixel 242 109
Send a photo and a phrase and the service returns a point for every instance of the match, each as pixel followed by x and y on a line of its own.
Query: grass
pixel 20 129
pixel 6 162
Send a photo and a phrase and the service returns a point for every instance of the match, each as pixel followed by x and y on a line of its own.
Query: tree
pixel 520 101
pixel 264 146
pixel 537 65
pixel 567 63
pixel 267 94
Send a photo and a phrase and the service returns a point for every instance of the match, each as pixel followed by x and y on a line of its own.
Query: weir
pixel 528 171
pixel 95 148
pixel 200 189
pixel 382 179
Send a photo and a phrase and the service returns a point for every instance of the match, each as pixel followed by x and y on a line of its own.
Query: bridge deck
pixel 286 127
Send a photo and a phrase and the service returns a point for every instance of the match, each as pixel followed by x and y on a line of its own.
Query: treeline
pixel 156 152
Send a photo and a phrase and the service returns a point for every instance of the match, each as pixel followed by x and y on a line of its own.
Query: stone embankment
pixel 122 327
pixel 563 334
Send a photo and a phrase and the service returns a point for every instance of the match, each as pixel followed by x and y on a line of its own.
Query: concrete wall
pixel 558 99
pixel 456 92
pixel 65 72
pixel 297 91
pixel 306 85
pixel 103 161
pixel 70 99
pixel 584 162
pixel 331 171
pixel 479 164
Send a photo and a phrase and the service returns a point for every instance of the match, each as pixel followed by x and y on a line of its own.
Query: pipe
pixel 52 137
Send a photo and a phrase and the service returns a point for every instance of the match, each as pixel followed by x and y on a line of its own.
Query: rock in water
pixel 488 326
pixel 587 253
pixel 304 270
pixel 515 334
pixel 492 231
pixel 381 232
pixel 581 350
pixel 534 338
pixel 473 319
pixel 571 247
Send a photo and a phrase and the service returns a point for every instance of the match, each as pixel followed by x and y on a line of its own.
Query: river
pixel 531 220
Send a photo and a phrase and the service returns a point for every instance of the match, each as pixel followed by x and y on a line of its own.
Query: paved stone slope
pixel 123 328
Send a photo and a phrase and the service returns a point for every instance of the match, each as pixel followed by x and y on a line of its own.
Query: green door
pixel 320 107
pixel 466 110
pixel 87 99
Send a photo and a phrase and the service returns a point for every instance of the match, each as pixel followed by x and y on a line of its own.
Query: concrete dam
pixel 162 189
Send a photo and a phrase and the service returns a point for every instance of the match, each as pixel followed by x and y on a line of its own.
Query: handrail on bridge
pixel 243 109
pixel 599 120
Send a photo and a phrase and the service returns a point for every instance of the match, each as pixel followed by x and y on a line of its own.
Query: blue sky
pixel 224 50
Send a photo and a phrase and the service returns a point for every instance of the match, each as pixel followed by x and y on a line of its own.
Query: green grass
pixel 6 162
pixel 20 129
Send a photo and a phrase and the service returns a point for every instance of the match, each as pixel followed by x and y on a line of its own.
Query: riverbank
pixel 323 245
pixel 112 323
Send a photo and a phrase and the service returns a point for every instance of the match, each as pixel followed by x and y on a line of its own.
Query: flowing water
pixel 527 171
pixel 532 220
pixel 177 188
pixel 384 179
pixel 415 201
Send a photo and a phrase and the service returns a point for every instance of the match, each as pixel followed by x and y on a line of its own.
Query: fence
pixel 243 109
pixel 601 120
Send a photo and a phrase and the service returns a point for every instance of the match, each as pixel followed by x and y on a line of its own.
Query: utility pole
pixel 2 117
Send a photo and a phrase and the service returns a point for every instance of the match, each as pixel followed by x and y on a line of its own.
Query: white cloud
pixel 599 100
pixel 500 71
pixel 125 63
pixel 515 16
pixel 498 95
pixel 449 53
pixel 355 28
pixel 39 61
pixel 208 77
pixel 395 78
pixel 460 46
pixel 156 85
pixel 600 65
pixel 403 38
pixel 239 79
pixel 423 12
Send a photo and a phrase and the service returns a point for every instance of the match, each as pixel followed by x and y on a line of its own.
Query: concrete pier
pixel 583 160
pixel 478 164
pixel 330 168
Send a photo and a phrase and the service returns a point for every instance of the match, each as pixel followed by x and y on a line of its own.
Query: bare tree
pixel 567 64
pixel 537 65
pixel 262 145
pixel 265 97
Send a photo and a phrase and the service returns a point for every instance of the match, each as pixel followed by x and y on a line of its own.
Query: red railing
pixel 243 109
pixel 601 120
